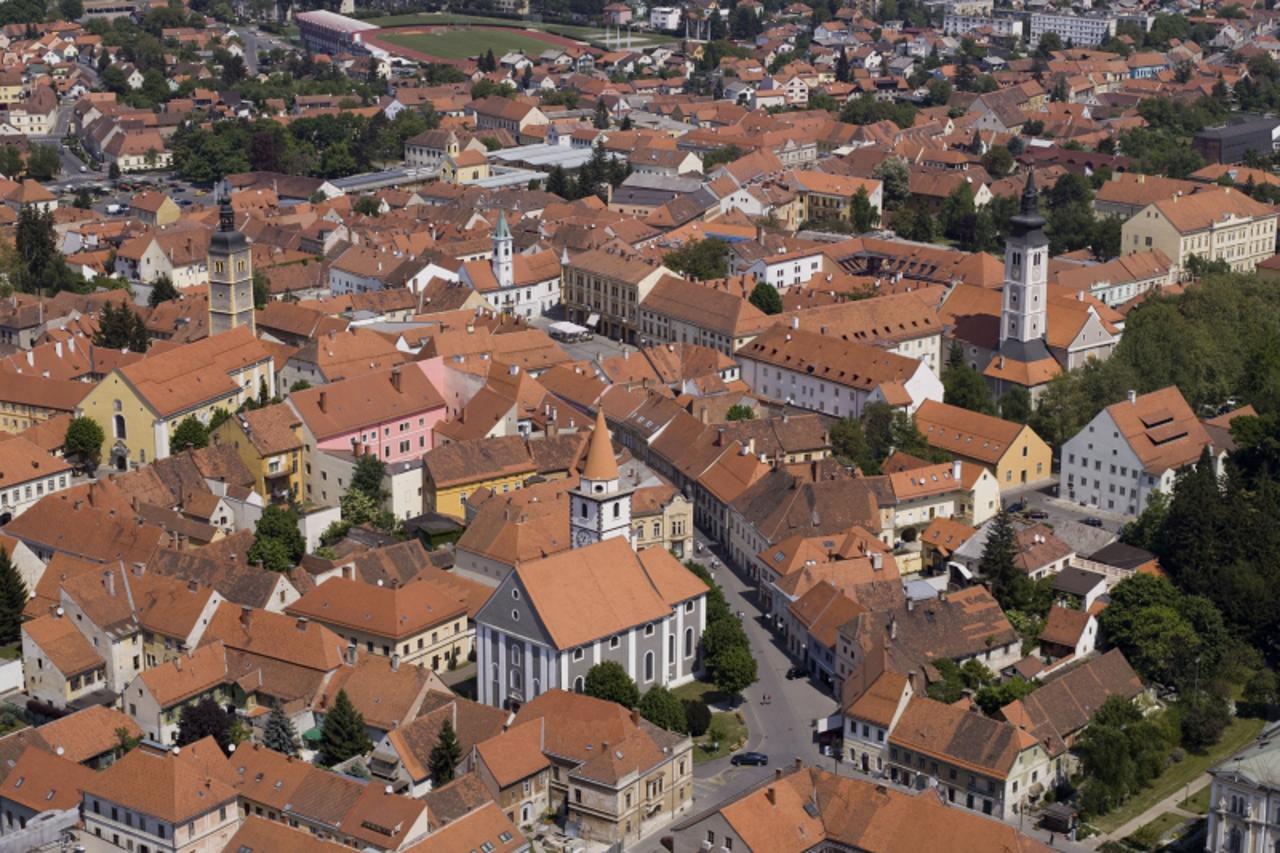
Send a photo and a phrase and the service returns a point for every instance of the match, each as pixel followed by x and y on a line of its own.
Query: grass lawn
pixel 11 651
pixel 1175 778
pixel 735 736
pixel 1149 835
pixel 1197 802
pixel 459 44
pixel 699 690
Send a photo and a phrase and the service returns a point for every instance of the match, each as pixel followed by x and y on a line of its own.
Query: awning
pixel 964 573
pixel 593 320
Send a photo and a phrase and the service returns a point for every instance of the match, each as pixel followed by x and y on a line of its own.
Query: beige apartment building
pixel 1222 225
pixel 603 290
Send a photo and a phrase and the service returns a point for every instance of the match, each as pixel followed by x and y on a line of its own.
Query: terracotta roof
pixel 1064 626
pixel 486 828
pixel 43 781
pixel 841 362
pixel 957 736
pixel 189 675
pixel 347 406
pixel 600 464
pixel 463 795
pixel 386 696
pixel 1210 207
pixel 259 835
pixel 68 651
pixel 1161 429
pixel 173 788
pixel 965 432
pixel 584 594
pixel 272 429
pixel 379 610
pixel 472 723
pixel 188 376
pixel 21 461
pixel 89 733
pixel 515 754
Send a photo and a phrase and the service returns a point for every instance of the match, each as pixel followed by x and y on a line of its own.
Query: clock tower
pixel 600 508
pixel 1026 270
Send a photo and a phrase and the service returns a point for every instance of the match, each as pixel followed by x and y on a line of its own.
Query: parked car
pixel 751 759
pixel 797 672
pixel 1015 507
pixel 1037 514
pixel 1092 521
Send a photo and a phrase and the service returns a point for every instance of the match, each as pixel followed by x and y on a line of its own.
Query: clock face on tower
pixel 582 538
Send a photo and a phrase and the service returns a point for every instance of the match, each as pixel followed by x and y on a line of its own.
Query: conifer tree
pixel 445 755
pixel 343 734
pixel 280 734
pixel 13 598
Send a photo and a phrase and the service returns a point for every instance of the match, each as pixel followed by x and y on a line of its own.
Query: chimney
pixel 322 401
pixel 911 680
pixel 395 663
pixel 1133 397
pixel 351 654
pixel 192 586
pixel 109 581
pixel 798 764
pixel 301 624
pixel 771 795
pixel 795 322
pixel 395 379
pixel 955 470
pixel 635 717
pixel 911 605
pixel 246 613
pixel 893 626
pixel 877 561
pixel 719 436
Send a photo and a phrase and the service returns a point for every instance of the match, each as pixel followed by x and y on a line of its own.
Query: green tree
pixel 965 387
pixel 120 327
pixel 43 162
pixel 850 445
pixel 84 441
pixel 343 734
pixel 661 707
pixel 733 670
pixel 998 563
pixel 998 161
pixel 189 434
pixel 261 291
pixel 896 179
pixel 368 476
pixel 368 205
pixel 740 412
pixel 722 634
pixel 1144 531
pixel 863 216
pixel 700 259
pixel 765 297
pixel 205 718
pixel 698 715
pixel 609 681
pixel 445 755
pixel 277 543
pixel 71 10
pixel 1015 405
pixel 280 734
pixel 13 599
pixel 1049 44
pixel 1202 718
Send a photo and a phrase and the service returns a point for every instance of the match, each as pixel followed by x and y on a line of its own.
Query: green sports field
pixel 462 43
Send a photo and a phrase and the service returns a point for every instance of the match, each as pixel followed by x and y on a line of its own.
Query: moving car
pixel 752 759
pixel 1092 521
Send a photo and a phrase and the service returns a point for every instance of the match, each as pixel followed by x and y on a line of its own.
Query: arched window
pixel 584 510
pixel 515 655
pixel 121 432
pixel 617 510
pixel 688 642
pixel 1235 841
pixel 648 666
pixel 578 684
pixel 517 679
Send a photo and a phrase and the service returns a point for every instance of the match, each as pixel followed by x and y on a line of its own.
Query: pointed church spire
pixel 502 232
pixel 601 465
pixel 1030 195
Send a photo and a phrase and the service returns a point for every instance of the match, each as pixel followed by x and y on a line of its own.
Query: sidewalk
pixel 1168 804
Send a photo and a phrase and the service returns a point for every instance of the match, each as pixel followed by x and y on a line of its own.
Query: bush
pixel 697 716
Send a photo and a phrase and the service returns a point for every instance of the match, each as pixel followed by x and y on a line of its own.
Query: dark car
pixel 1015 507
pixel 1092 521
pixel 753 759
pixel 1037 514
pixel 797 672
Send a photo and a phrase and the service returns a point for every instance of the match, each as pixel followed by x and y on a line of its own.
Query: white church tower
pixel 600 508
pixel 502 247
pixel 1026 273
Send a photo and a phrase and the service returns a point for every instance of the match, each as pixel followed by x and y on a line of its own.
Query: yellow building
pixel 464 168
pixel 662 516
pixel 424 622
pixel 138 406
pixel 825 196
pixel 26 400
pixel 453 471
pixel 1214 224
pixel 1011 451
pixel 269 442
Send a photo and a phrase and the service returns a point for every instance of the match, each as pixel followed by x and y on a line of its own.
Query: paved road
pixel 1044 497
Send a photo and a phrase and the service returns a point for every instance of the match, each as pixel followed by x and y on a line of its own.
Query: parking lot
pixel 106 192
pixel 1041 503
